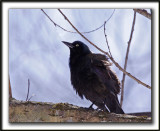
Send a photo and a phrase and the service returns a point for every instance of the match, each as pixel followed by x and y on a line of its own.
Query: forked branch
pixel 143 12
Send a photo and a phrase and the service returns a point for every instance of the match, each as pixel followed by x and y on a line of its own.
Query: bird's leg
pixel 105 109
pixel 90 107
pixel 101 106
pixel 104 106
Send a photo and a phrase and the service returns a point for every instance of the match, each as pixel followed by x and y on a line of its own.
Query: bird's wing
pixel 100 66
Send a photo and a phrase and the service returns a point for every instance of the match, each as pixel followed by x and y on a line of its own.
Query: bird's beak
pixel 68 44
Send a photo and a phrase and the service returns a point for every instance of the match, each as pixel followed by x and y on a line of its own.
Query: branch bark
pixel 143 12
pixel 112 59
pixel 126 59
pixel 24 111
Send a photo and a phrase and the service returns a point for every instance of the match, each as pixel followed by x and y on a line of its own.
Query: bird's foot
pixel 90 107
pixel 100 109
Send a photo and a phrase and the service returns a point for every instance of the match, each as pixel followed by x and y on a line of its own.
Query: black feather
pixel 92 77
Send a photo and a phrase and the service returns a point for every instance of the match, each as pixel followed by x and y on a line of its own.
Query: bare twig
pixel 126 59
pixel 28 90
pixel 31 97
pixel 116 64
pixel 76 32
pixel 10 89
pixel 143 12
pixel 106 38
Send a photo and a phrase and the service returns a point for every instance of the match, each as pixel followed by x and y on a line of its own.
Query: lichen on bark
pixel 24 111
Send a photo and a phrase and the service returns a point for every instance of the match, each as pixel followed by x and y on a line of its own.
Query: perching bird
pixel 92 77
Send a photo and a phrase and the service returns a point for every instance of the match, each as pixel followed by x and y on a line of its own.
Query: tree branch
pixel 10 89
pixel 76 32
pixel 126 59
pixel 28 90
pixel 143 12
pixel 116 64
pixel 106 38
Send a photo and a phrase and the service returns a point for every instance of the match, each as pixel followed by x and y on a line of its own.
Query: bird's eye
pixel 77 45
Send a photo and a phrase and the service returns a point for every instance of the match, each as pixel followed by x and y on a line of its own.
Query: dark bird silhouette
pixel 92 77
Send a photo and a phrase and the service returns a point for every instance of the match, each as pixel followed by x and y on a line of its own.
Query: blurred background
pixel 37 53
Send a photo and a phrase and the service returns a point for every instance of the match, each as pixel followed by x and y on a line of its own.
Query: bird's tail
pixel 113 104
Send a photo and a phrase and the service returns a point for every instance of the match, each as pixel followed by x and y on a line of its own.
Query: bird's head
pixel 77 48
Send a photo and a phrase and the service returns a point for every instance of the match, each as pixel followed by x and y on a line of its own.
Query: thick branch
pixel 143 12
pixel 117 65
pixel 24 111
pixel 126 59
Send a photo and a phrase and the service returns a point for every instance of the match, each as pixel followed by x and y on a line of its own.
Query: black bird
pixel 92 77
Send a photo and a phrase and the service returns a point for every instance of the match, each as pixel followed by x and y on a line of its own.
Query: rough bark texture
pixel 22 111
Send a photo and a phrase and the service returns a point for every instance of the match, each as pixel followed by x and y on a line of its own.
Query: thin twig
pixel 28 90
pixel 10 89
pixel 126 58
pixel 106 38
pixel 31 97
pixel 76 32
pixel 116 64
pixel 143 12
